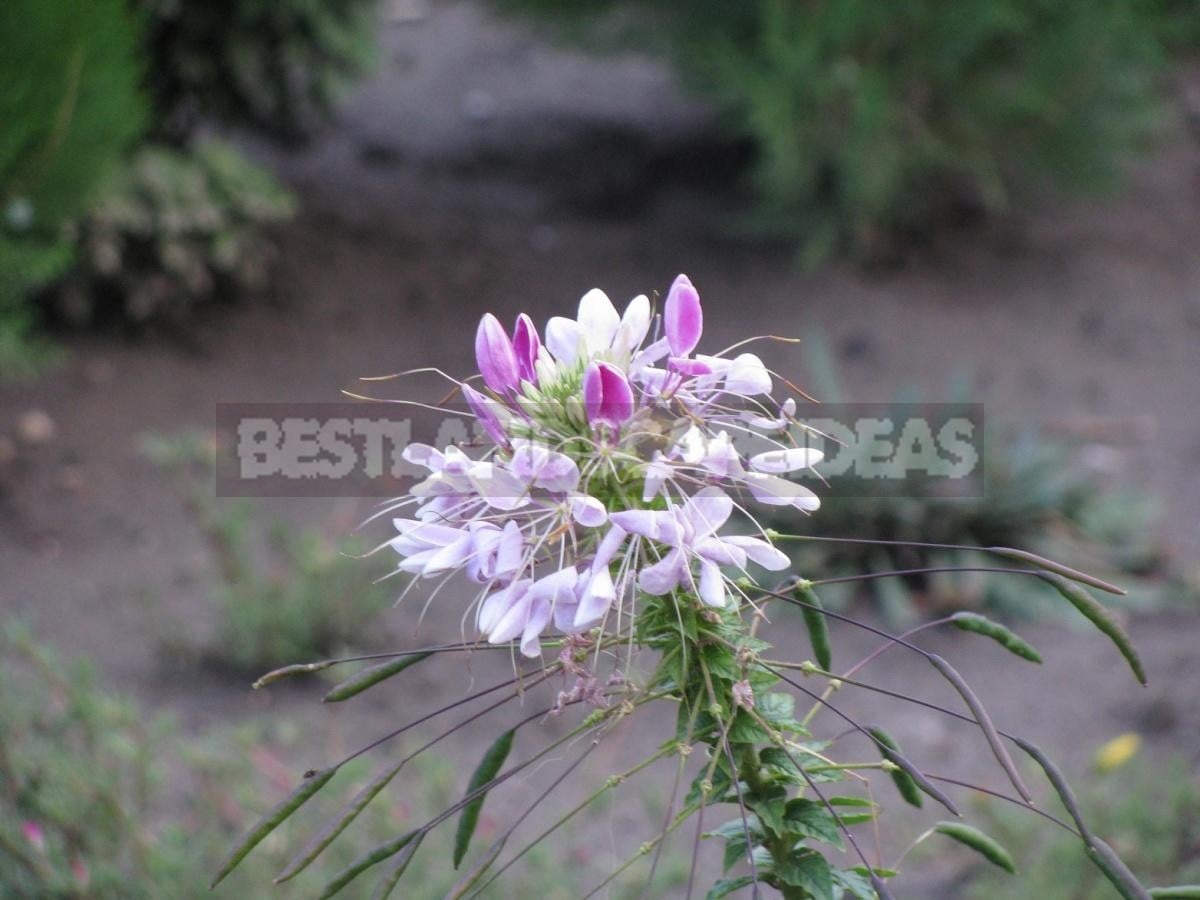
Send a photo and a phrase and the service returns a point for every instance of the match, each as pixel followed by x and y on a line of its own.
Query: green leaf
pixel 1094 612
pixel 727 886
pixel 769 803
pixel 779 710
pixel 818 629
pixel 810 819
pixel 312 783
pixel 855 884
pixel 371 676
pixel 807 869
pixel 987 847
pixel 492 760
pixel 974 622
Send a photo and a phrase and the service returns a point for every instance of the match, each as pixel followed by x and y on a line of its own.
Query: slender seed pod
pixel 1050 565
pixel 974 622
pixel 288 671
pixel 371 858
pixel 1178 892
pixel 472 875
pixel 1059 782
pixel 1095 613
pixel 372 675
pixel 1115 870
pixel 392 876
pixel 985 724
pixel 492 760
pixel 981 843
pixel 272 820
pixel 818 630
pixel 880 888
pixel 338 824
pixel 903 779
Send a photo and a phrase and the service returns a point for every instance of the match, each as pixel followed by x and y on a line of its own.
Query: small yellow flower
pixel 1117 752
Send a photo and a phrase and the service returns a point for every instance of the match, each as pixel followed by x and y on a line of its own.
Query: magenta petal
pixel 689 367
pixel 607 397
pixel 480 405
pixel 495 356
pixel 682 317
pixel 526 345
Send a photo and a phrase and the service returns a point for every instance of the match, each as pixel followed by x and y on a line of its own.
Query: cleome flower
pixel 615 456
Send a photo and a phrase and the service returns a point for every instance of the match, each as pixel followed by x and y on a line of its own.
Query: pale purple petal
pixel 748 376
pixel 708 510
pixel 481 407
pixel 516 613
pixel 510 553
pixel 712 584
pixel 498 605
pixel 423 455
pixel 494 355
pixel 539 617
pixel 658 525
pixel 683 319
pixel 771 490
pixel 588 511
pixel 608 547
pixel 721 551
pixel 664 576
pixel 595 599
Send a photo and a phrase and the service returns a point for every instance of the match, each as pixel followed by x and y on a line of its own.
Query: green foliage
pixel 274 65
pixel 175 229
pixel 1150 814
pixel 282 593
pixel 874 122
pixel 70 105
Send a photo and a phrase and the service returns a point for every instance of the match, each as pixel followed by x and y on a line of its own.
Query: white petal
pixel 595 599
pixel 772 490
pixel 658 525
pixel 787 460
pixel 748 376
pixel 512 620
pixel 563 339
pixel 598 321
pixel 722 551
pixel 500 488
pixel 634 325
pixel 762 552
pixel 423 455
pixel 510 553
pixel 539 618
pixel 712 584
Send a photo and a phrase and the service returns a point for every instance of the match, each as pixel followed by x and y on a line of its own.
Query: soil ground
pixel 483 169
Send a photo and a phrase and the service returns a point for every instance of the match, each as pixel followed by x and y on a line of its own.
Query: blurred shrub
pixel 1150 814
pixel 173 229
pixel 874 121
pixel 69 106
pixel 283 594
pixel 273 65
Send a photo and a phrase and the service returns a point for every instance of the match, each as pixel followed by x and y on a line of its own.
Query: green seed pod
pixel 1095 613
pixel 1059 782
pixel 272 820
pixel 1050 565
pixel 973 622
pixel 392 876
pixel 372 675
pixel 908 778
pixel 985 846
pixel 289 671
pixel 371 858
pixel 818 630
pixel 1178 892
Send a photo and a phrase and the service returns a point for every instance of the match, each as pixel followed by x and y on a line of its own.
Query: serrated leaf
pixel 727 886
pixel 811 819
pixel 272 820
pixel 492 760
pixel 981 843
pixel 371 675
pixel 769 804
pixel 807 869
pixel 854 883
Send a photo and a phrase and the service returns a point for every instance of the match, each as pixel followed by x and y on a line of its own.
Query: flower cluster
pixel 615 457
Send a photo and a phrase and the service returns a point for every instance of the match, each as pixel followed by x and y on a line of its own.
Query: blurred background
pixel 242 200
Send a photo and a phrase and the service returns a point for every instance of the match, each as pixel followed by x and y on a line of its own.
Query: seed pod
pixel 880 887
pixel 818 630
pixel 472 876
pixel 392 876
pixel 371 858
pixel 1178 892
pixel 1050 565
pixel 492 760
pixel 985 724
pixel 985 846
pixel 973 622
pixel 1059 782
pixel 338 824
pixel 1116 871
pixel 272 820
pixel 909 780
pixel 372 675
pixel 289 671
pixel 1095 613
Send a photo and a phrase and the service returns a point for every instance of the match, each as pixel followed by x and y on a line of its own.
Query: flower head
pixel 613 466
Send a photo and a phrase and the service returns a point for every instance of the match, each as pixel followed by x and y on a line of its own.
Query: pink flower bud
pixel 607 397
pixel 495 356
pixel 683 320
pixel 481 407
pixel 526 345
